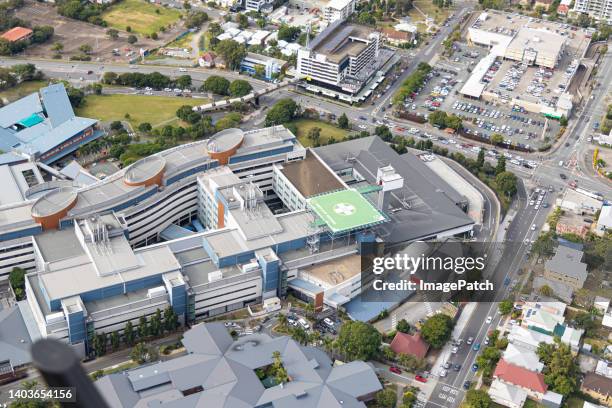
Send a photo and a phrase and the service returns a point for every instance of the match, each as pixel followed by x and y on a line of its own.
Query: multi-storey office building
pixel 342 58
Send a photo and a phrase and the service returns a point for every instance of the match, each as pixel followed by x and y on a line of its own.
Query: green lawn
pixel 140 15
pixel 327 131
pixel 156 110
pixel 21 90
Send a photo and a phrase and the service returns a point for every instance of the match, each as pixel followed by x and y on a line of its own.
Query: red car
pixel 420 379
pixel 395 370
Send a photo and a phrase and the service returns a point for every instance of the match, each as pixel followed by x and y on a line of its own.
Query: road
pixel 75 70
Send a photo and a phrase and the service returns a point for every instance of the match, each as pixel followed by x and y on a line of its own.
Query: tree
pixel 561 370
pixel 117 126
pixel 386 398
pixel 156 323
pixel 112 33
pixel 183 81
pixel 437 330
pixel 216 84
pixel 170 319
pixel 86 48
pixel 506 182
pixel 314 135
pixel 154 36
pixel 58 47
pixel 132 39
pixel 97 88
pixel 477 399
pixel 99 343
pixel 506 306
pixel 563 121
pixel 343 121
pixel 196 19
pixel 358 341
pixel 283 111
pixel 366 18
pixel 280 373
pixel 115 340
pixel 383 132
pixel 232 53
pixel 501 165
pixel 403 326
pixel 231 120
pixel 76 96
pixel 409 398
pixel 109 78
pixel 141 353
pixel 240 87
pixel 242 20
pixel 481 158
pixel 146 127
pixel 143 328
pixel 288 33
pixel 17 281
pixel 497 138
pixel 128 333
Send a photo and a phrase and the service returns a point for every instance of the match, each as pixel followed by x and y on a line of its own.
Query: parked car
pixel 474 367
pixel 420 379
pixel 476 347
pixel 395 370
pixel 466 385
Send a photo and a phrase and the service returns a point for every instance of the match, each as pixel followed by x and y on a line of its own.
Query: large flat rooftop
pixel 339 40
pixel 310 176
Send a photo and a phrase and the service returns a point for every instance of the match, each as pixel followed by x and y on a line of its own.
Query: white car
pixel 443 373
pixel 362 127
pixel 533 227
pixel 182 69
pixel 454 350
pixel 167 90
pixel 489 320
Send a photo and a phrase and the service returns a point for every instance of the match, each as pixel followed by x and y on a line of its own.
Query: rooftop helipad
pixel 345 210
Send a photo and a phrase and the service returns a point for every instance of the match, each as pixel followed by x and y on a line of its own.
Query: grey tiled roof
pixel 221 373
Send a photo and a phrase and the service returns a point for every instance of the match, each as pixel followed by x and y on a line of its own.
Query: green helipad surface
pixel 345 210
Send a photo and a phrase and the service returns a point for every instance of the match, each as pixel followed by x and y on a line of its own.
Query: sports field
pixel 141 16
pixel 345 210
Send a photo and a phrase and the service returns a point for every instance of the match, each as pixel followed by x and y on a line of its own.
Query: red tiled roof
pixel 520 376
pixel 409 344
pixel 563 9
pixel 16 34
pixel 208 56
pixel 395 34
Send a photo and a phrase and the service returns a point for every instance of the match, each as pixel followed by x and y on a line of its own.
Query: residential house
pixel 591 405
pixel 529 381
pixel 541 320
pixel 529 339
pixel 523 357
pixel 604 368
pixel 552 400
pixel 507 394
pixel 598 387
pixel 601 304
pixel 411 344
pixel 563 9
pixel 207 59
pixel 566 267
pixel 17 34
pixel 571 337
pixel 396 37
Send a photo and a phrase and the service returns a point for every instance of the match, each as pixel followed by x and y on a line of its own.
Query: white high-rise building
pixel 600 10
pixel 338 10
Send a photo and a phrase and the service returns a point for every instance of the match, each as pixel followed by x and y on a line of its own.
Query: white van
pixel 303 323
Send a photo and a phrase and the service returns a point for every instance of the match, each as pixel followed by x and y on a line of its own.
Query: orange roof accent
pixel 395 34
pixel 520 376
pixel 409 344
pixel 16 34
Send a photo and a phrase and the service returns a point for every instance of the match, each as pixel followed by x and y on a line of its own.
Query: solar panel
pixel 338 39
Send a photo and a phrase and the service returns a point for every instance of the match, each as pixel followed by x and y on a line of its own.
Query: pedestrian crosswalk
pixel 393 321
